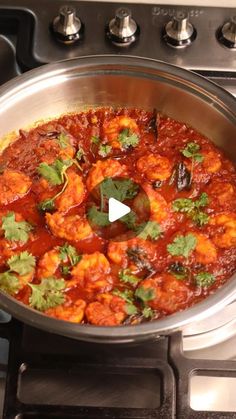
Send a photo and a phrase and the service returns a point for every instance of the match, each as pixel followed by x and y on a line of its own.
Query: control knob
pixel 227 33
pixel 67 27
pixel 179 32
pixel 122 30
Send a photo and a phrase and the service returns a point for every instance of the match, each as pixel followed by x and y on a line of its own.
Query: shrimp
pixel 48 264
pixel 73 195
pixel 92 273
pixel 50 149
pixel 109 310
pixel 225 235
pixel 222 193
pixel 205 250
pixel 13 185
pixel 211 161
pixel 112 129
pixel 151 204
pixel 69 227
pixel 131 253
pixel 72 312
pixel 104 169
pixel 169 294
pixel 154 166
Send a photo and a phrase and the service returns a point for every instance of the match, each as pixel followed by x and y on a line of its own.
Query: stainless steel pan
pixel 129 82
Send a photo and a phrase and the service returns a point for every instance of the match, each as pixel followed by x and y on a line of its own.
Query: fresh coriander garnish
pixel 191 151
pixel 192 208
pixel 128 139
pixel 69 252
pixel 63 140
pixel 119 189
pixel 204 279
pixel 97 217
pixel 95 139
pixel 129 220
pixel 104 150
pixel 145 294
pixel 80 154
pixel 54 173
pixel 47 205
pixel 15 230
pixel 148 313
pixel 47 294
pixel 131 309
pixel 127 277
pixel 182 245
pixel 22 264
pixel 127 295
pixel 150 230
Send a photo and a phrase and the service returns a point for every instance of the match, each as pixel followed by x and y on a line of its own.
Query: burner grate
pixel 50 376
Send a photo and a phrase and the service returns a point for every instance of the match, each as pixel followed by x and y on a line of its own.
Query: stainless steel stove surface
pixel 53 377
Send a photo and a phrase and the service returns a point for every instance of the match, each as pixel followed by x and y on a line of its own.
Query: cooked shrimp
pixel 169 294
pixel 69 227
pixel 205 250
pixel 112 129
pixel 104 169
pixel 92 273
pixel 152 204
pixel 48 264
pixel 154 166
pixel 211 161
pixel 118 252
pixel 225 234
pixel 109 310
pixel 221 193
pixel 13 185
pixel 73 312
pixel 73 195
pixel 49 150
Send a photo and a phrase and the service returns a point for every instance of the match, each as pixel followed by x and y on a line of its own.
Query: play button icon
pixel 116 210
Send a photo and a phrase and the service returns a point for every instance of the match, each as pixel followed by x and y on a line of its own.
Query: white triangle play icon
pixel 116 209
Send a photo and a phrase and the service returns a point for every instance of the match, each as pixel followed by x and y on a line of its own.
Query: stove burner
pixel 66 27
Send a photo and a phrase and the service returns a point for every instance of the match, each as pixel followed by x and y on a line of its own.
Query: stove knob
pixel 227 33
pixel 122 30
pixel 67 27
pixel 179 32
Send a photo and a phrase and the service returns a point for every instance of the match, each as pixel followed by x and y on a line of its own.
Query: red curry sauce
pixel 58 265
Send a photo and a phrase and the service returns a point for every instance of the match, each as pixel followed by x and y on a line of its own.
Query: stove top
pixel 47 376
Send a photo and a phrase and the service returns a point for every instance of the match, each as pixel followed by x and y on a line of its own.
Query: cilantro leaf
pixel 97 217
pixel 47 205
pixel 127 295
pixel 95 140
pixel 54 173
pixel 129 220
pixel 151 230
pixel 126 276
pixel 63 140
pixel 9 283
pixel 147 312
pixel 145 294
pixel 200 218
pixel 128 138
pixel 104 150
pixel 80 153
pixel 183 205
pixel 22 264
pixel 204 279
pixel 203 200
pixel 15 230
pixel 47 294
pixel 182 245
pixel 192 151
pixel 119 189
pixel 70 252
pixel 131 309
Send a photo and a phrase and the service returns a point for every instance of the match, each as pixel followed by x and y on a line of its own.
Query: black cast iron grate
pixel 50 376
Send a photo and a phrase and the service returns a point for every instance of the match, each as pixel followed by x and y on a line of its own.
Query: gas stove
pixel 47 376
